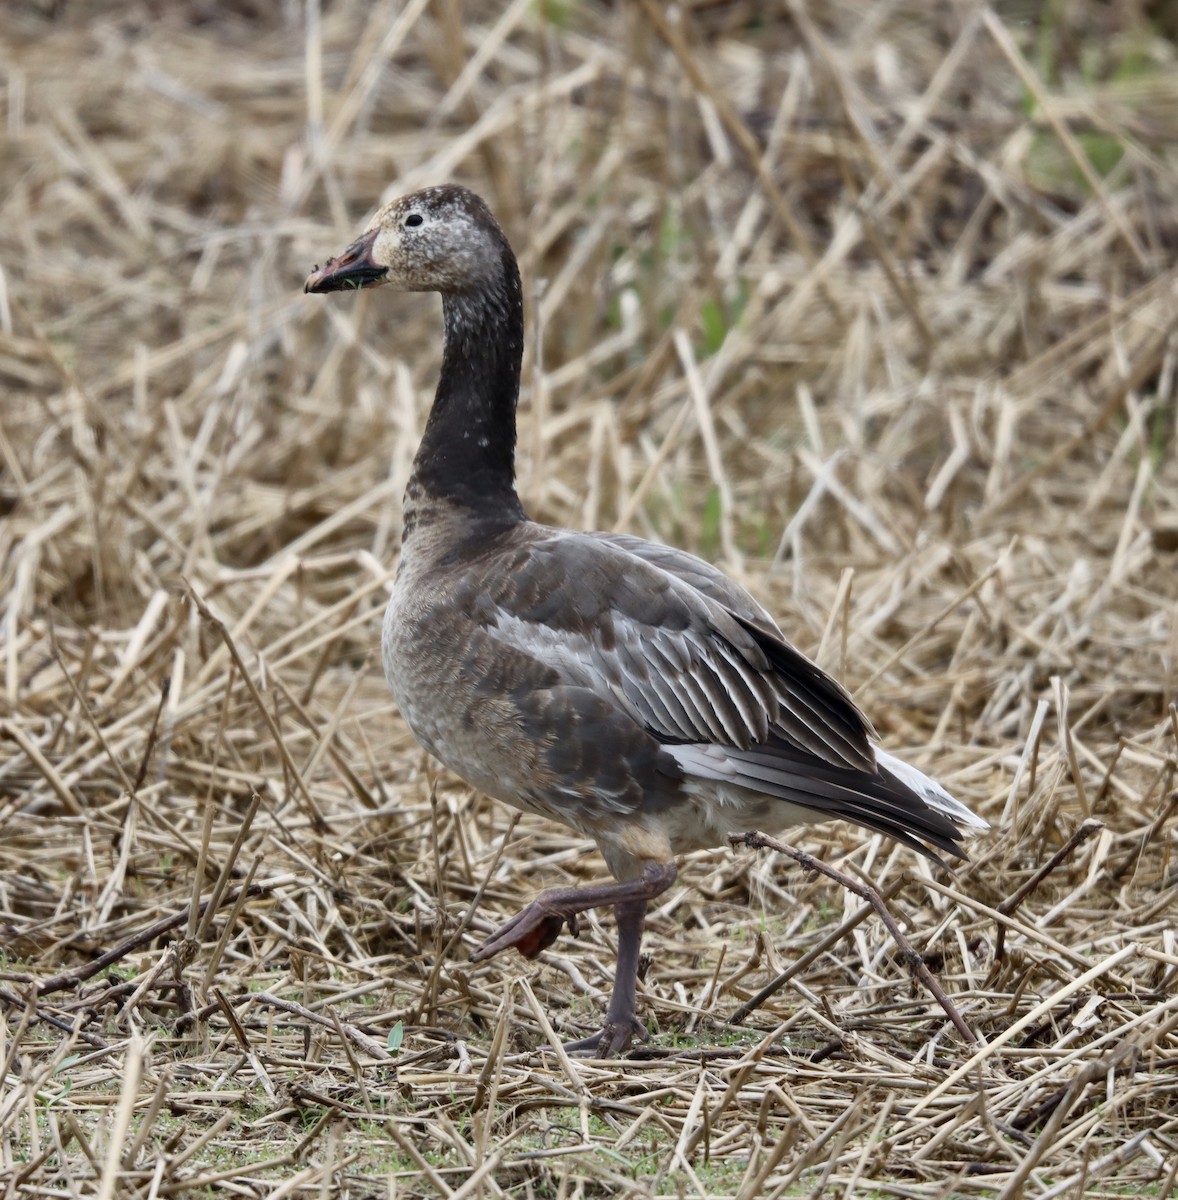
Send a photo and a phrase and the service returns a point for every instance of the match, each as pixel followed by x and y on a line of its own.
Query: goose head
pixel 441 239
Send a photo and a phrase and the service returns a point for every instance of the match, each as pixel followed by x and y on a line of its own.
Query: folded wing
pixel 692 656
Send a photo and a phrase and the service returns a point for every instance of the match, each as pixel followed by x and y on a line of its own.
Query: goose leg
pixel 621 1018
pixel 537 926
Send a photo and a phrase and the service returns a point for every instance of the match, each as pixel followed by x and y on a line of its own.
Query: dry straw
pixel 875 304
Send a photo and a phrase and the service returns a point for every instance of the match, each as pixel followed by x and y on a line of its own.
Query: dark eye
pixel 413 219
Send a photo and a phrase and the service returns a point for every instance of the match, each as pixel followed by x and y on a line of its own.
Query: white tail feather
pixel 929 790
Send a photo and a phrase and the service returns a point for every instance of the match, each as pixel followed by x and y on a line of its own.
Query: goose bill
pixel 353 269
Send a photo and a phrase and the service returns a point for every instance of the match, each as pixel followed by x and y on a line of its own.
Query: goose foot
pixel 612 1041
pixel 537 926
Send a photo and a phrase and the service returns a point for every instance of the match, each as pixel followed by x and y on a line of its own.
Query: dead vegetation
pixel 875 304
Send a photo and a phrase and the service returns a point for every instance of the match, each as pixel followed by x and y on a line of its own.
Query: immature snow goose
pixel 627 689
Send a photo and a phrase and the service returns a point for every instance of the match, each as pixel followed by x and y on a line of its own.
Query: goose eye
pixel 413 219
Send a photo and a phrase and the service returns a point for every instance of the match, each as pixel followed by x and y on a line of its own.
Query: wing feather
pixel 724 691
pixel 879 802
pixel 691 654
pixel 756 701
pixel 700 574
pixel 672 699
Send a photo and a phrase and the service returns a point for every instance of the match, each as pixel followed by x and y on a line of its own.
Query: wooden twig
pixel 1010 905
pixel 294 774
pixel 429 991
pixel 152 735
pixel 69 979
pixel 369 1045
pixel 812 955
pixel 916 964
pixel 11 729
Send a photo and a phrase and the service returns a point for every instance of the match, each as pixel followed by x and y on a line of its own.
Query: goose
pixel 624 688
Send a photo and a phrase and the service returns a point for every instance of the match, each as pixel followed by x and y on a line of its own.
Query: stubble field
pixel 874 305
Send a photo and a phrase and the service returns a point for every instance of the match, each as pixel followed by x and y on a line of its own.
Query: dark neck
pixel 467 454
